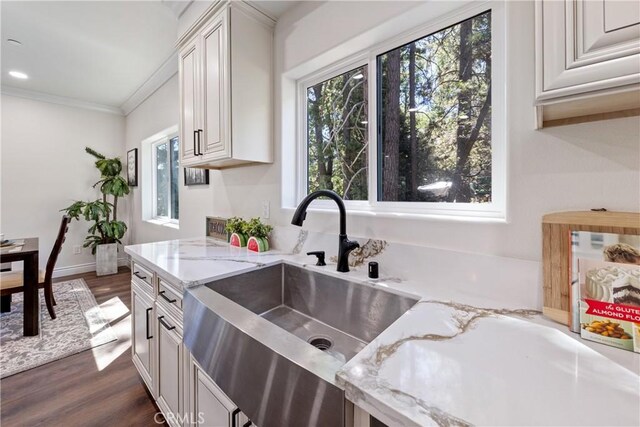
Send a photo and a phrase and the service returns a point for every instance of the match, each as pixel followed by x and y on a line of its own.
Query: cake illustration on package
pixel 607 294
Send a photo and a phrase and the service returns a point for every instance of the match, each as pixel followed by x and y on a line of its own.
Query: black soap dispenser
pixel 373 270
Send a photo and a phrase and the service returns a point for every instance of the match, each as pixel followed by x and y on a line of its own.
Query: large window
pixel 165 156
pixel 430 122
pixel 435 116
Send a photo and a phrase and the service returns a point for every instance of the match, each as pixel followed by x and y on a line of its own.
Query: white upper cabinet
pixel 215 100
pixel 188 67
pixel 226 88
pixel 587 59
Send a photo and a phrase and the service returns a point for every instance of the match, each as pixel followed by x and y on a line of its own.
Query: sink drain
pixel 322 343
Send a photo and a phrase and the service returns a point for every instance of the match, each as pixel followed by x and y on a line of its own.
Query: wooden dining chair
pixel 12 282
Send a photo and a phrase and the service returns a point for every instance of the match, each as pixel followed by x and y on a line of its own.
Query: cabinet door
pixel 585 46
pixel 605 30
pixel 216 143
pixel 143 342
pixel 170 350
pixel 210 407
pixel 189 105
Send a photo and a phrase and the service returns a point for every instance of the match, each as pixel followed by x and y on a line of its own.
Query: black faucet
pixel 344 244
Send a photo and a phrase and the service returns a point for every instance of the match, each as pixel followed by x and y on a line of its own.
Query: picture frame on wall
pixel 132 167
pixel 195 176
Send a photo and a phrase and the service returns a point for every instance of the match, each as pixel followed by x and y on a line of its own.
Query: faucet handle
pixel 320 256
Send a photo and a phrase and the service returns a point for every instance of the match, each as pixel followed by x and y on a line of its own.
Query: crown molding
pixel 60 100
pixel 177 7
pixel 167 70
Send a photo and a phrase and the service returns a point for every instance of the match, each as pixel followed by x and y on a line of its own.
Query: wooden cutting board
pixel 556 252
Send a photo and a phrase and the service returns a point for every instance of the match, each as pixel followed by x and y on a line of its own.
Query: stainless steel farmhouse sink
pixel 273 339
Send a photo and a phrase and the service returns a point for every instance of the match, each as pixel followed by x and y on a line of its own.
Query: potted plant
pixel 237 229
pixel 106 231
pixel 259 235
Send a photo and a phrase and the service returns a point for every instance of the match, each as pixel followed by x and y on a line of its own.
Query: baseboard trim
pixel 84 268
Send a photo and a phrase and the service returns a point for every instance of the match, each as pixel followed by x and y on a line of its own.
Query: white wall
pixel 155 114
pixel 574 167
pixel 44 168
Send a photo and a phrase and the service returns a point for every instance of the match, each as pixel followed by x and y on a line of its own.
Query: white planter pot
pixel 107 259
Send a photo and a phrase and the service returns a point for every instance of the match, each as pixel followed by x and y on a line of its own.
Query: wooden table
pixel 29 255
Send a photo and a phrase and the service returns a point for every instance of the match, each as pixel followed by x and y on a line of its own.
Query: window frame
pixel 303 159
pixel 154 184
pixel 496 210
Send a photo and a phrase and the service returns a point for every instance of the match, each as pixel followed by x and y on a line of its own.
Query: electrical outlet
pixel 77 250
pixel 265 209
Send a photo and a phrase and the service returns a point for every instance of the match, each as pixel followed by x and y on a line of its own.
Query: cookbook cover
pixel 607 288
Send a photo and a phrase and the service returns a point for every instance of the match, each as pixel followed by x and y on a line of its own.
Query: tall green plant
pixel 106 227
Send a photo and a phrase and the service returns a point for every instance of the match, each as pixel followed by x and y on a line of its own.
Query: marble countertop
pixel 452 359
pixel 192 262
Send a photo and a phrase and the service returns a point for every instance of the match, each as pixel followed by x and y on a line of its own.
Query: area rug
pixel 79 325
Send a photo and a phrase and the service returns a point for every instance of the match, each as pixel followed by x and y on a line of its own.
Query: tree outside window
pixel 166 167
pixel 337 135
pixel 434 111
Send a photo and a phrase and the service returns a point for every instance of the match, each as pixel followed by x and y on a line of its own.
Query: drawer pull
pixel 165 324
pixel 234 417
pixel 195 151
pixel 166 298
pixel 137 274
pixel 247 424
pixel 148 311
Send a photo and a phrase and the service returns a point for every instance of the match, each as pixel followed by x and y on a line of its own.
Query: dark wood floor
pixel 92 388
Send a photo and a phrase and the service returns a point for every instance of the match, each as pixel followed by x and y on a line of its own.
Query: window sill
pixel 468 217
pixel 170 223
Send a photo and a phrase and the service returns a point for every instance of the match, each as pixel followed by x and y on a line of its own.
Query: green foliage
pixel 75 209
pixel 449 102
pixel 94 211
pixel 236 225
pixel 434 118
pixel 337 135
pixel 256 228
pixel 106 228
pixel 114 185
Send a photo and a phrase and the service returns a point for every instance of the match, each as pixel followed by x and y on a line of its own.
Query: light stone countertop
pixel 452 359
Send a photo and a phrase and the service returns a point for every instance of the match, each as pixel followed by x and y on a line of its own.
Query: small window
pixel 337 134
pixel 165 155
pixel 434 115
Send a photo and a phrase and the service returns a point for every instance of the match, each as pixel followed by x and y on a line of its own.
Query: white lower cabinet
pixel 142 339
pixel 209 406
pixel 170 367
pixel 183 391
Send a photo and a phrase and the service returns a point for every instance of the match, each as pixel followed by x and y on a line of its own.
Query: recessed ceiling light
pixel 358 76
pixel 14 42
pixel 18 75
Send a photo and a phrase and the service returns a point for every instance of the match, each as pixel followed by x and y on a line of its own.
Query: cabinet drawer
pixel 168 294
pixel 141 274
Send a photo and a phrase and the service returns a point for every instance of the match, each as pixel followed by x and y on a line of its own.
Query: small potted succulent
pixel 259 235
pixel 237 229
